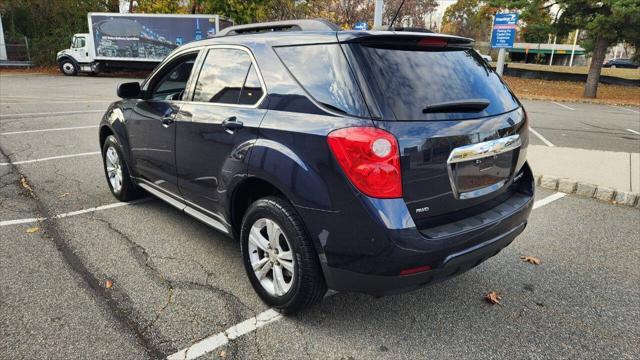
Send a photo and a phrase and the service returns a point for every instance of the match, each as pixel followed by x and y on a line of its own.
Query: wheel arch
pixel 244 194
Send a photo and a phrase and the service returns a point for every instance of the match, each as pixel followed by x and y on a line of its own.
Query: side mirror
pixel 130 90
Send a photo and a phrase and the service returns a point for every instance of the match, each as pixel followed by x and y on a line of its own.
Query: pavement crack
pixel 109 297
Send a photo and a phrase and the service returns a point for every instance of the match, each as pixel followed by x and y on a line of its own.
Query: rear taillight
pixel 370 158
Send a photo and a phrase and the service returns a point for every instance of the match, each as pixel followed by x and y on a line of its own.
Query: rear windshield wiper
pixel 469 105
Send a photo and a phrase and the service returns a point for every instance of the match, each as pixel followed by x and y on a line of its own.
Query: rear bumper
pixel 458 263
pixel 367 250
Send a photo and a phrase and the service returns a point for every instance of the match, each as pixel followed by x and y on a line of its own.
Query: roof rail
pixel 286 25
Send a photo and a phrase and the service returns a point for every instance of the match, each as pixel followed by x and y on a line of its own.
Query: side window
pixel 325 74
pixel 224 75
pixel 252 90
pixel 173 82
pixel 78 42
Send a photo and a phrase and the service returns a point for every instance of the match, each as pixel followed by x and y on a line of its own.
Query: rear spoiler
pixel 408 40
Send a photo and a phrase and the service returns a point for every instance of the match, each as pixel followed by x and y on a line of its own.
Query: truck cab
pixel 78 58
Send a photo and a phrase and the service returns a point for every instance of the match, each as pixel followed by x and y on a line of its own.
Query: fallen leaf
pixel 108 283
pixel 223 354
pixel 32 230
pixel 530 259
pixel 25 184
pixel 65 195
pixel 493 298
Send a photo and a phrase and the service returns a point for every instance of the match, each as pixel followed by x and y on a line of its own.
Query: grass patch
pixel 632 74
pixel 535 89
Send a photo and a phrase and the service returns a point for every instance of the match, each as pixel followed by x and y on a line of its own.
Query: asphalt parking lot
pixel 585 126
pixel 102 279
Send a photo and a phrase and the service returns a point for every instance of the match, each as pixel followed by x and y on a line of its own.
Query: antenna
pixel 396 15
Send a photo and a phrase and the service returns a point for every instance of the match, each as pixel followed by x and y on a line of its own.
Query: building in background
pixel 541 53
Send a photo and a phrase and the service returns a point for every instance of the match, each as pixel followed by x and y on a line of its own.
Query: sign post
pixel 503 36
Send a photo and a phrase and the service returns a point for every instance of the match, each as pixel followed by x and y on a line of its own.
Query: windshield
pixel 407 83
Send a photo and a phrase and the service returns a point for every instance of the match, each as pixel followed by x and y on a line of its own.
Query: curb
pixel 588 190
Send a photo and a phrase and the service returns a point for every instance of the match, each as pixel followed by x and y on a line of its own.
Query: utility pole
pixel 377 16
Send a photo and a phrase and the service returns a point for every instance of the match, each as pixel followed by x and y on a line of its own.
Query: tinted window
pixel 173 82
pixel 252 90
pixel 406 81
pixel 222 77
pixel 324 73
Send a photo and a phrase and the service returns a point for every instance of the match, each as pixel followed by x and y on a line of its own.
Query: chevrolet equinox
pixel 367 161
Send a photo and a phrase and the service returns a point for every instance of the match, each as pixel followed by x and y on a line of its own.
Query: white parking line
pixel 624 108
pixel 549 199
pixel 74 213
pixel 564 106
pixel 542 138
pixel 633 131
pixel 213 342
pixel 44 130
pixel 79 101
pixel 266 317
pixel 51 113
pixel 49 158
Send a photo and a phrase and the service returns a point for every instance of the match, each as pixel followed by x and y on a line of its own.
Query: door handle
pixel 167 121
pixel 232 124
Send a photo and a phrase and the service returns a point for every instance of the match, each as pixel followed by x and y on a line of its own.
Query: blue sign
pixel 504 30
pixel 361 26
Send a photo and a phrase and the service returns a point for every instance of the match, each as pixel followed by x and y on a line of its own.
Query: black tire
pixel 128 190
pixel 68 67
pixel 308 285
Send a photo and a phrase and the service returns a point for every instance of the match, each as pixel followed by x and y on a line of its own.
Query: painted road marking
pixel 622 107
pixel 548 200
pixel 633 131
pixel 44 130
pixel 59 113
pixel 79 101
pixel 269 316
pixel 49 158
pixel 74 213
pixel 211 343
pixel 564 106
pixel 542 138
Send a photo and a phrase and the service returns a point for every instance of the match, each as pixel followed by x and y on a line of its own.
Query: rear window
pixel 324 73
pixel 407 81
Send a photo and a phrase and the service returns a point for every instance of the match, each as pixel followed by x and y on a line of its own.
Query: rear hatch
pixel 462 133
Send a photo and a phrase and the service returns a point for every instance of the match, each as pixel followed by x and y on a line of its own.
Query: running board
pixel 185 208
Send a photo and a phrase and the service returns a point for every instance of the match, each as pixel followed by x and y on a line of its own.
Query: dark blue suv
pixel 368 161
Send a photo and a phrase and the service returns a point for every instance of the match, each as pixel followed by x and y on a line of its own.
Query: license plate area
pixel 479 169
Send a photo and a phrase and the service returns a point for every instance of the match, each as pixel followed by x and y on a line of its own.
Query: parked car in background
pixel 620 63
pixel 367 161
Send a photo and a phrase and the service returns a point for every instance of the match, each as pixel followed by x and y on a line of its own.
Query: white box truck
pixel 133 41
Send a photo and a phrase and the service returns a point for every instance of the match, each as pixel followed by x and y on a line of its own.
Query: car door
pixel 151 124
pixel 80 49
pixel 221 118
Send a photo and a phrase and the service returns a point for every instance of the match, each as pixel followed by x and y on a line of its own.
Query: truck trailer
pixel 133 41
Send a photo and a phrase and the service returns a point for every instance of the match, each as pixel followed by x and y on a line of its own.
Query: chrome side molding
pixel 484 149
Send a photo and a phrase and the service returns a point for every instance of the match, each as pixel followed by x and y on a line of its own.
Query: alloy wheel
pixel 271 257
pixel 114 168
